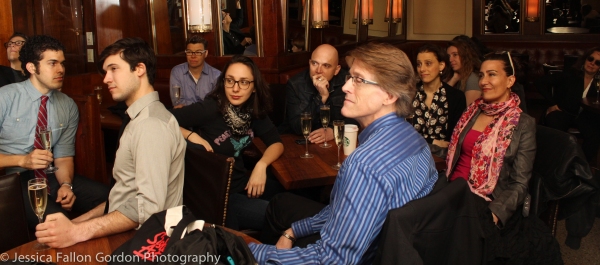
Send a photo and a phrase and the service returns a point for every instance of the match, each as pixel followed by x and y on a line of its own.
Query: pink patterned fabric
pixel 490 147
pixel 42 123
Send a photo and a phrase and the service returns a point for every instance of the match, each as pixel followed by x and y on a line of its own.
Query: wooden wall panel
pixel 6 28
pixel 109 23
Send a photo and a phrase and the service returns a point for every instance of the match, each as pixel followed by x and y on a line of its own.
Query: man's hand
pixel 256 184
pixel 37 159
pixel 57 231
pixel 246 41
pixel 553 108
pixel 178 106
pixel 65 197
pixel 320 135
pixel 284 242
pixel 322 85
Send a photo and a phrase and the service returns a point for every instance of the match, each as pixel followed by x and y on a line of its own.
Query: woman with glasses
pixel 465 62
pixel 493 147
pixel 438 106
pixel 228 119
pixel 14 73
pixel 564 92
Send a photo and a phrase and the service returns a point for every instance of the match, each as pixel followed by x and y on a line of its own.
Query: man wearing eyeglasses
pixel 195 78
pixel 14 73
pixel 320 84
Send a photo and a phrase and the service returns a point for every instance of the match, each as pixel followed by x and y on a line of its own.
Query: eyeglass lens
pixel 591 59
pixel 15 43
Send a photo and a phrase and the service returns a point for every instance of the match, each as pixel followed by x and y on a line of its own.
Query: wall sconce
pixel 320 13
pixel 533 10
pixel 366 12
pixel 396 7
pixel 199 16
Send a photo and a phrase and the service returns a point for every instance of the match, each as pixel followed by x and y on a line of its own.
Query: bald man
pixel 321 84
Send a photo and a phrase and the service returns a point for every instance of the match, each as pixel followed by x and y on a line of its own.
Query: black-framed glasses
pixel 243 84
pixel 14 43
pixel 592 59
pixel 190 53
pixel 359 80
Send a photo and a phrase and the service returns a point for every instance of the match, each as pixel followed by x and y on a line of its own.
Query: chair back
pixel 206 184
pixel 12 213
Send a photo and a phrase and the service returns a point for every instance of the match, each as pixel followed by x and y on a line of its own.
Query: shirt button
pixel 18 119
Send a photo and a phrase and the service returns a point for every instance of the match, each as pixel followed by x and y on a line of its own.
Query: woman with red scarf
pixel 493 148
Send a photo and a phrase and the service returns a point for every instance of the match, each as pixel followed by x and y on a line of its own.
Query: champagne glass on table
pixel 177 93
pixel 338 137
pixel 306 124
pixel 46 137
pixel 325 110
pixel 37 189
pixel 98 92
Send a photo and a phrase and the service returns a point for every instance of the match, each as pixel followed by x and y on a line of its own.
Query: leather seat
pixel 12 213
pixel 206 184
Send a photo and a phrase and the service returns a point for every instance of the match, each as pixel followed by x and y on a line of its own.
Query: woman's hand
pixel 495 219
pixel 256 184
pixel 195 138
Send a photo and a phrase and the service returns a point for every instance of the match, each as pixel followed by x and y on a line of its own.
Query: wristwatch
pixel 67 183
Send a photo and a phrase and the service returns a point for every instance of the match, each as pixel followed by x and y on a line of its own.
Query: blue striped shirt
pixel 392 166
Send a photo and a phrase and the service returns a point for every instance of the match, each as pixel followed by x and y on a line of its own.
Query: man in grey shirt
pixel 149 161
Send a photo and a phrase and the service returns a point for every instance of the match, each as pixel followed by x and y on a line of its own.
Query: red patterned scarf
pixel 490 147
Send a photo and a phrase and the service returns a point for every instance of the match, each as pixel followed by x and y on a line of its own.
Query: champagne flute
pixel 98 92
pixel 306 124
pixel 325 110
pixel 338 136
pixel 37 189
pixel 46 137
pixel 177 93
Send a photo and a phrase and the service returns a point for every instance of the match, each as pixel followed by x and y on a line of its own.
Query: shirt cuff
pixel 261 251
pixel 302 228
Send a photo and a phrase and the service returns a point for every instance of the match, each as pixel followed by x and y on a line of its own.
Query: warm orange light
pixel 320 13
pixel 396 11
pixel 533 10
pixel 366 12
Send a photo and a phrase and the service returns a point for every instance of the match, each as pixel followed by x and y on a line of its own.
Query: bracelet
pixel 293 239
pixel 68 184
pixel 189 135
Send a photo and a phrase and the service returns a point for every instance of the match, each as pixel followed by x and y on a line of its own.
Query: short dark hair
pixel 34 47
pixel 197 39
pixel 19 34
pixel 259 103
pixel 506 59
pixel 133 51
pixel 441 56
pixel 298 42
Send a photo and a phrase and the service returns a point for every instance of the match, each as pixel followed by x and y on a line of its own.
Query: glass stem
pixel 306 144
pixel 338 155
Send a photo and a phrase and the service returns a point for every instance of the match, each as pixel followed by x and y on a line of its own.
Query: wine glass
pixel 98 92
pixel 338 137
pixel 306 123
pixel 46 137
pixel 325 110
pixel 177 93
pixel 37 189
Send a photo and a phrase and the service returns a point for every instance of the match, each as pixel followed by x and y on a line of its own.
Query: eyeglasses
pixel 243 84
pixel 15 43
pixel 591 59
pixel 360 80
pixel 190 53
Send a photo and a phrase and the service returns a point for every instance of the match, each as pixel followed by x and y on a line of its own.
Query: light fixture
pixel 396 7
pixel 533 10
pixel 320 13
pixel 366 12
pixel 199 16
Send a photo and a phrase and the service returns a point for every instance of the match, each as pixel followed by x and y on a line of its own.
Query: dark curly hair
pixel 259 103
pixel 441 56
pixel 34 47
pixel 133 51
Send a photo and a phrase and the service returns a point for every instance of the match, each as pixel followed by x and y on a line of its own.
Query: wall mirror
pixel 571 16
pixel 239 27
pixel 502 16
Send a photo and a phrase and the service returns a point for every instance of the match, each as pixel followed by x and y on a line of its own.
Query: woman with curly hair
pixel 465 62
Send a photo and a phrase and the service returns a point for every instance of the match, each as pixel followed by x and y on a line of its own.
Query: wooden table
pixel 294 172
pixel 95 251
pixel 587 104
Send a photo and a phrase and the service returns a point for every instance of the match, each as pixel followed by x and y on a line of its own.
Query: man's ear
pixel 30 68
pixel 140 69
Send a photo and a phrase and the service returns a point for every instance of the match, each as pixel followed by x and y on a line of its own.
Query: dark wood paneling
pixel 6 27
pixel 109 23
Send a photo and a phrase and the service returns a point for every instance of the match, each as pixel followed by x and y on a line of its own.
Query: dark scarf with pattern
pixel 237 119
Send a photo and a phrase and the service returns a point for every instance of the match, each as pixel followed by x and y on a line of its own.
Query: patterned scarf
pixel 490 147
pixel 237 120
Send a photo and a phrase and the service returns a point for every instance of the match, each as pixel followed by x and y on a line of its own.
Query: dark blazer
pixel 568 89
pixel 513 182
pixel 6 75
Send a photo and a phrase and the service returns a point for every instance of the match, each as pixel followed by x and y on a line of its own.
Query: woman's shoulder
pixel 526 121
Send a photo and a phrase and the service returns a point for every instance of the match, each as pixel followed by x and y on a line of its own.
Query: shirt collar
pixel 386 120
pixel 186 68
pixel 35 94
pixel 140 104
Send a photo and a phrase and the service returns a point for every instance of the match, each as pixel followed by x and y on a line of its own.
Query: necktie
pixel 126 120
pixel 42 123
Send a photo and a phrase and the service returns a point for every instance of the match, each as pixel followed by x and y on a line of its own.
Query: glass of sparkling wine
pixel 325 110
pixel 177 93
pixel 98 92
pixel 37 189
pixel 338 137
pixel 46 137
pixel 306 123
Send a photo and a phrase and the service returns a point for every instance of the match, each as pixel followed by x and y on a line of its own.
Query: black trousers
pixel 89 194
pixel 588 125
pixel 283 210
